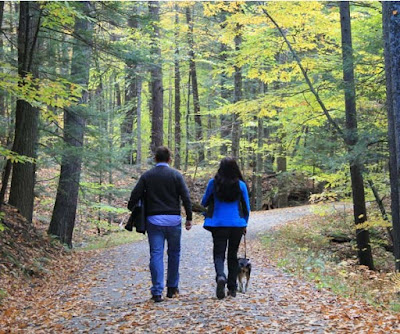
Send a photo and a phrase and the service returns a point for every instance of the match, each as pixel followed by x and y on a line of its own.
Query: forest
pixel 305 95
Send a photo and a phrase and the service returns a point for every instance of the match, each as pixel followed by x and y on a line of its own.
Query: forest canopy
pixel 287 88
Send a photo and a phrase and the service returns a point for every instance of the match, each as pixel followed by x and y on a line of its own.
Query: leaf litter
pixel 108 292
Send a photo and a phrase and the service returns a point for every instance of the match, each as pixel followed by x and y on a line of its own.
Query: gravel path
pixel 275 303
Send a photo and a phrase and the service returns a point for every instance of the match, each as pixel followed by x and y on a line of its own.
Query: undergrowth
pixel 322 248
pixel 112 239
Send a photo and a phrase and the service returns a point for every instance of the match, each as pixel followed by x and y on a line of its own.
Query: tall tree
pixel 64 212
pixel 177 88
pixel 139 118
pixel 259 164
pixel 237 96
pixel 26 122
pixel 2 95
pixel 156 84
pixel 226 120
pixel 195 87
pixel 391 35
pixel 131 98
pixel 351 138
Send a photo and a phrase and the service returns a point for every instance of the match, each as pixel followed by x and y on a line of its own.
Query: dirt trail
pixel 112 295
pixel 275 302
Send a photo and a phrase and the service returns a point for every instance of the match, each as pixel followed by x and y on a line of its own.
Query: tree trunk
pixel 237 98
pixel 157 130
pixel 3 130
pixel 131 97
pixel 177 160
pixel 170 112
pixel 127 123
pixel 351 137
pixel 226 120
pixel 139 120
pixel 64 212
pixel 269 157
pixel 195 88
pixel 26 122
pixel 187 124
pixel 259 164
pixel 281 167
pixel 1 17
pixel 391 34
pixel 6 172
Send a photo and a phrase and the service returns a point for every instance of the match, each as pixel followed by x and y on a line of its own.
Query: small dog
pixel 244 272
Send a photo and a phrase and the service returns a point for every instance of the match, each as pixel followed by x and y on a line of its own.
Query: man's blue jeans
pixel 157 236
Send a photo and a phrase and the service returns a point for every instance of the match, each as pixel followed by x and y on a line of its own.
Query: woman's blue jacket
pixel 226 214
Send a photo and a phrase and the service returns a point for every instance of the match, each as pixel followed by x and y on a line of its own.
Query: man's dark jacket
pixel 163 188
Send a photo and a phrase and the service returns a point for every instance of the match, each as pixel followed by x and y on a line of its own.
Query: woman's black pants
pixel 224 237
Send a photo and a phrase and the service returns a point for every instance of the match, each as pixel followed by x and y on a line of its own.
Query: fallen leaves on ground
pixel 109 293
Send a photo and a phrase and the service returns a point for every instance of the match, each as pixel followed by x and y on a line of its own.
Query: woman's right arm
pixel 245 195
pixel 208 193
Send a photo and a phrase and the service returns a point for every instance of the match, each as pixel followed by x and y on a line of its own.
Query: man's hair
pixel 163 154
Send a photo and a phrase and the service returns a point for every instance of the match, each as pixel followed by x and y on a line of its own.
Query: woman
pixel 228 208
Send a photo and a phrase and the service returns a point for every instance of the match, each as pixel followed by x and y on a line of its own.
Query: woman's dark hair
pixel 227 188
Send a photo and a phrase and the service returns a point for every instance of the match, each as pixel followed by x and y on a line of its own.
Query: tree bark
pixel 127 123
pixel 351 137
pixel 64 212
pixel 1 16
pixel 156 85
pixel 187 124
pixel 259 164
pixel 391 35
pixel 170 112
pixel 177 84
pixel 139 120
pixel 226 120
pixel 3 131
pixel 237 97
pixel 27 117
pixel 281 167
pixel 131 98
pixel 195 88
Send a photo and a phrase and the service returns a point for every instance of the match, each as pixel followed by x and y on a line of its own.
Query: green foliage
pixel 58 93
pixel 109 209
pixel 112 239
pixel 273 90
pixel 375 220
pixel 3 295
pixel 2 227
pixel 15 157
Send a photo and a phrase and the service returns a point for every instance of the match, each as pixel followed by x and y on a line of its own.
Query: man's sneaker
pixel 221 281
pixel 157 298
pixel 232 293
pixel 172 292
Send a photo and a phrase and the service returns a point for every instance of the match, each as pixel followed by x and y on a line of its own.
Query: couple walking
pixel 227 201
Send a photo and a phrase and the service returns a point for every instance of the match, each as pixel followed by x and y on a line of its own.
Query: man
pixel 163 188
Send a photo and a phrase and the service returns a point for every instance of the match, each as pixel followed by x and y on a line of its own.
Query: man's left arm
pixel 184 194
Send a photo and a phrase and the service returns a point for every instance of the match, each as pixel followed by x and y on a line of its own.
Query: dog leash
pixel 245 247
